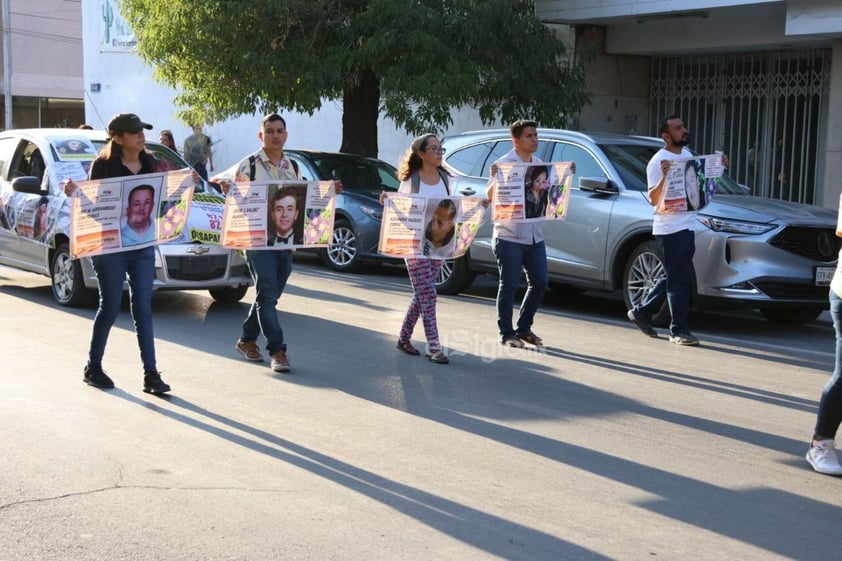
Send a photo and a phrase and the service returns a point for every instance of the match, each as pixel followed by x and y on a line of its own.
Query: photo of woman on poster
pixel 695 197
pixel 439 236
pixel 536 184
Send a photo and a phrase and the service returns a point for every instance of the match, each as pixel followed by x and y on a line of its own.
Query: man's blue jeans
pixel 512 258
pixel 830 406
pixel 111 270
pixel 270 270
pixel 677 250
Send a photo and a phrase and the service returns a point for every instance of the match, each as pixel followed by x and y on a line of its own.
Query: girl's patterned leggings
pixel 422 275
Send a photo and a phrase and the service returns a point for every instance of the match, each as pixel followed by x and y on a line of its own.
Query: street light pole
pixel 7 64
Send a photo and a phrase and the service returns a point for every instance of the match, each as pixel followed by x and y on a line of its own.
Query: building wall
pixel 619 88
pixel 46 63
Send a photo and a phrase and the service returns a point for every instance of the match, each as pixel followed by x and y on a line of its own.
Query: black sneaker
pixel 152 383
pixel 94 376
pixel 644 326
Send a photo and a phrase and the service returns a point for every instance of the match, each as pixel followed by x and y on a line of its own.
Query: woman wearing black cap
pixel 124 154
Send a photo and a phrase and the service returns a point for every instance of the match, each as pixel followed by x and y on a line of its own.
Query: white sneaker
pixel 822 457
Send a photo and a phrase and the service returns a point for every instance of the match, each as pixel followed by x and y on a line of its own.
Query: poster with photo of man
pixel 278 215
pixel 108 215
pixel 286 215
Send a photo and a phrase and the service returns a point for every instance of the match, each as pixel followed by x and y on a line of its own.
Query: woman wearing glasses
pixel 421 173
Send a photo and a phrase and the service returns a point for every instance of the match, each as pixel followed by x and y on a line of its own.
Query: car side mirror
pixel 597 184
pixel 27 184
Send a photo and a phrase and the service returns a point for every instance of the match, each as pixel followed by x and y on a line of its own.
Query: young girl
pixel 420 172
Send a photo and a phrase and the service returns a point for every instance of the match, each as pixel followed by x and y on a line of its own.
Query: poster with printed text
pixel 531 192
pixel 279 215
pixel 435 228
pixel 691 184
pixel 115 214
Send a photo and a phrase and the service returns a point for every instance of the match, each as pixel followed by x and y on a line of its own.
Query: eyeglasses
pixel 436 150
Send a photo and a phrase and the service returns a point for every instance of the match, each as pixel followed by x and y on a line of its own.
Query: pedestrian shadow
pixel 486 532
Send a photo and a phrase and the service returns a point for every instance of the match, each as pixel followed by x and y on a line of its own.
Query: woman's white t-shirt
pixel 437 191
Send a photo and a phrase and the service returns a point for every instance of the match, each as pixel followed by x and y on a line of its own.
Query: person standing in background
pixel 197 152
pixel 166 138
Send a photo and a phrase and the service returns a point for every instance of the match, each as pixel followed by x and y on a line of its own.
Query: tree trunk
pixel 361 108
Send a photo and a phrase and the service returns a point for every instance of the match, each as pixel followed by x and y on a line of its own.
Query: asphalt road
pixel 605 445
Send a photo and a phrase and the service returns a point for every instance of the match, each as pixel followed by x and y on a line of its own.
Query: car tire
pixel 643 270
pixel 791 316
pixel 455 276
pixel 342 254
pixel 228 294
pixel 67 281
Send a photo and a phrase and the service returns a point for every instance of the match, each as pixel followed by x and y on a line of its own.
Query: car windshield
pixel 630 161
pixel 359 174
pixel 166 159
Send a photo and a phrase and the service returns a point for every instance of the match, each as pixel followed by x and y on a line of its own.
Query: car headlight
pixel 373 213
pixel 735 226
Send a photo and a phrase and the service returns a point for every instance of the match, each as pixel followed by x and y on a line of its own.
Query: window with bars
pixel 766 110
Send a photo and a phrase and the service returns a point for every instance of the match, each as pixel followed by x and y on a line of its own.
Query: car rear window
pixel 358 174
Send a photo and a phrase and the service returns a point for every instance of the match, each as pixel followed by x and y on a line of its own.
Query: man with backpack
pixel 270 268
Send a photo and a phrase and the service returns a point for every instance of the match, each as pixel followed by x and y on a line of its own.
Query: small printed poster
pixel 279 215
pixel 435 228
pixel 691 184
pixel 110 215
pixel 532 192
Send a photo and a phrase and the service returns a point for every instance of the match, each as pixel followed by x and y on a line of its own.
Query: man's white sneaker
pixel 822 456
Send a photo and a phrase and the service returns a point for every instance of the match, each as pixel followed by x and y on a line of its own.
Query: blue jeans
pixel 111 270
pixel 512 258
pixel 830 406
pixel 677 250
pixel 270 270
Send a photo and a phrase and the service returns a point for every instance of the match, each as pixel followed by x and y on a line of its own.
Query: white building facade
pixel 116 80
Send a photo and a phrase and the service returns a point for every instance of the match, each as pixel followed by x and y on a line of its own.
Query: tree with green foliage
pixel 411 60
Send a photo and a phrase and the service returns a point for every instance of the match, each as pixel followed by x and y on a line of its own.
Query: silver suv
pixel 31 164
pixel 771 255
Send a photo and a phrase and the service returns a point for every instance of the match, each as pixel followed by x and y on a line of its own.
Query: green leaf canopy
pixel 413 61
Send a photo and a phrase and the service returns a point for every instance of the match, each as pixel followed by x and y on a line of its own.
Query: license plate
pixel 824 275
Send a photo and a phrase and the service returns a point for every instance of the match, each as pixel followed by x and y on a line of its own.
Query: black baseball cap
pixel 126 122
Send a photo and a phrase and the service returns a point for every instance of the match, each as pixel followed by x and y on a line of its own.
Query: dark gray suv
pixel 751 252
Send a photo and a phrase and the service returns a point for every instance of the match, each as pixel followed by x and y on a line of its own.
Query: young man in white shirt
pixel 519 246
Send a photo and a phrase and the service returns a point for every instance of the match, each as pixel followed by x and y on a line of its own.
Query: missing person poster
pixel 532 192
pixel 110 215
pixel 279 215
pixel 436 228
pixel 691 184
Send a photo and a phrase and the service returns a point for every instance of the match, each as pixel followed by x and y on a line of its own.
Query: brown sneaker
pixel 531 338
pixel 249 350
pixel 280 362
